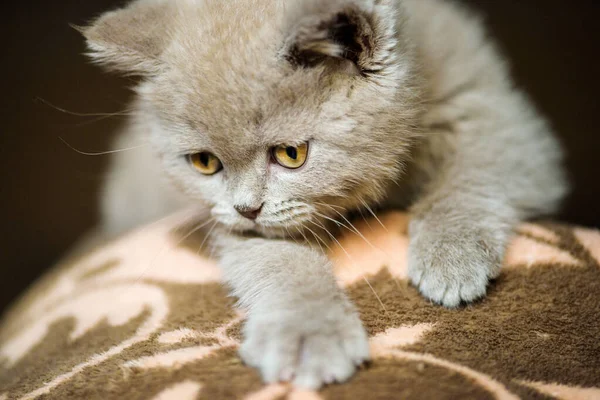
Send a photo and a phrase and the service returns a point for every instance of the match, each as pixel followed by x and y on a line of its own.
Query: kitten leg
pixel 301 327
pixel 457 245
pixel 485 175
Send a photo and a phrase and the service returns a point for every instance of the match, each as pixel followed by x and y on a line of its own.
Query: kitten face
pixel 244 83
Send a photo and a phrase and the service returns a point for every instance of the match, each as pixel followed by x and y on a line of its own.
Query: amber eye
pixel 291 157
pixel 205 162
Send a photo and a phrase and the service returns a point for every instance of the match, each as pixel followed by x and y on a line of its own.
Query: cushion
pixel 146 317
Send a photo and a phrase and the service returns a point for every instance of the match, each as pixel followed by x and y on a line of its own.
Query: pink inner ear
pixel 344 39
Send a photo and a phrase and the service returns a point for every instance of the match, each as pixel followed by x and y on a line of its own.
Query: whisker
pixel 181 240
pixel 338 223
pixel 194 230
pixel 318 243
pixel 290 234
pixel 396 280
pixel 214 247
pixel 354 228
pixel 303 235
pixel 78 114
pixel 373 214
pixel 365 219
pixel 94 120
pixel 318 238
pixel 375 293
pixel 206 237
pixel 332 206
pixel 332 237
pixel 102 153
pixel 352 261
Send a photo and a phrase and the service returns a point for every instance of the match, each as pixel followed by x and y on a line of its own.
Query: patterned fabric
pixel 146 317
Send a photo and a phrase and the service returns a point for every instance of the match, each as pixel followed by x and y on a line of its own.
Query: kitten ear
pixel 131 39
pixel 361 33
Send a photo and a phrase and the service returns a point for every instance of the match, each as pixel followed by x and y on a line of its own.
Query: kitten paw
pixel 308 349
pixel 451 266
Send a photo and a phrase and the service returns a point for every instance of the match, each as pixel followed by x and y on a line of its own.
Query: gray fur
pixel 416 110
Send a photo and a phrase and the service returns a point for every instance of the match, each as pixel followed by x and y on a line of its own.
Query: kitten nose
pixel 248 212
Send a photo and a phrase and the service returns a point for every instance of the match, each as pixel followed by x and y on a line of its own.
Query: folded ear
pixel 359 33
pixel 131 39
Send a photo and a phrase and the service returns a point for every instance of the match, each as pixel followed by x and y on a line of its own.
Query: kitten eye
pixel 291 157
pixel 205 162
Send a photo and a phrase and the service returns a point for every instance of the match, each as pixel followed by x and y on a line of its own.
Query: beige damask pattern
pixel 146 317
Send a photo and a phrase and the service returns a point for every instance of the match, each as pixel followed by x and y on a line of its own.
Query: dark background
pixel 48 192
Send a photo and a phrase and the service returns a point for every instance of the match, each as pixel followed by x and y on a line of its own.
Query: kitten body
pixel 404 103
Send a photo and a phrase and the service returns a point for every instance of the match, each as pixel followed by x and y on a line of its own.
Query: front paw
pixel 311 347
pixel 453 264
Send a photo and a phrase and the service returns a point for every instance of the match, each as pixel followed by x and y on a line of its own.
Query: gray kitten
pixel 279 116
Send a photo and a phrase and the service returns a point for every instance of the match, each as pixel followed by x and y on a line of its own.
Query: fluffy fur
pixel 404 103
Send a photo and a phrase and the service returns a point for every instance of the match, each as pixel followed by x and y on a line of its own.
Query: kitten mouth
pixel 282 227
pixel 286 217
pixel 294 217
pixel 283 223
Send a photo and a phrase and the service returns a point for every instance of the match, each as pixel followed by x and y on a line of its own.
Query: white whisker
pixel 332 237
pixel 375 293
pixel 319 239
pixel 396 280
pixel 333 206
pixel 167 246
pixel 354 228
pixel 206 237
pixel 102 153
pixel 290 234
pixel 318 242
pixel 365 219
pixel 303 235
pixel 352 261
pixel 78 114
pixel 338 223
pixel 373 214
pixel 93 121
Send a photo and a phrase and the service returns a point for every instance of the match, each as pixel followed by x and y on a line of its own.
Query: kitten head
pixel 276 113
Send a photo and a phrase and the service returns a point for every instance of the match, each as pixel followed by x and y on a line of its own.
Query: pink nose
pixel 248 212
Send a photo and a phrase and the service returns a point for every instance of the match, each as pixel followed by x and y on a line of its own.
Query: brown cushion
pixel 146 317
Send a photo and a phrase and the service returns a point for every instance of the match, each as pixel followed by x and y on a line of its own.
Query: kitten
pixel 279 116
